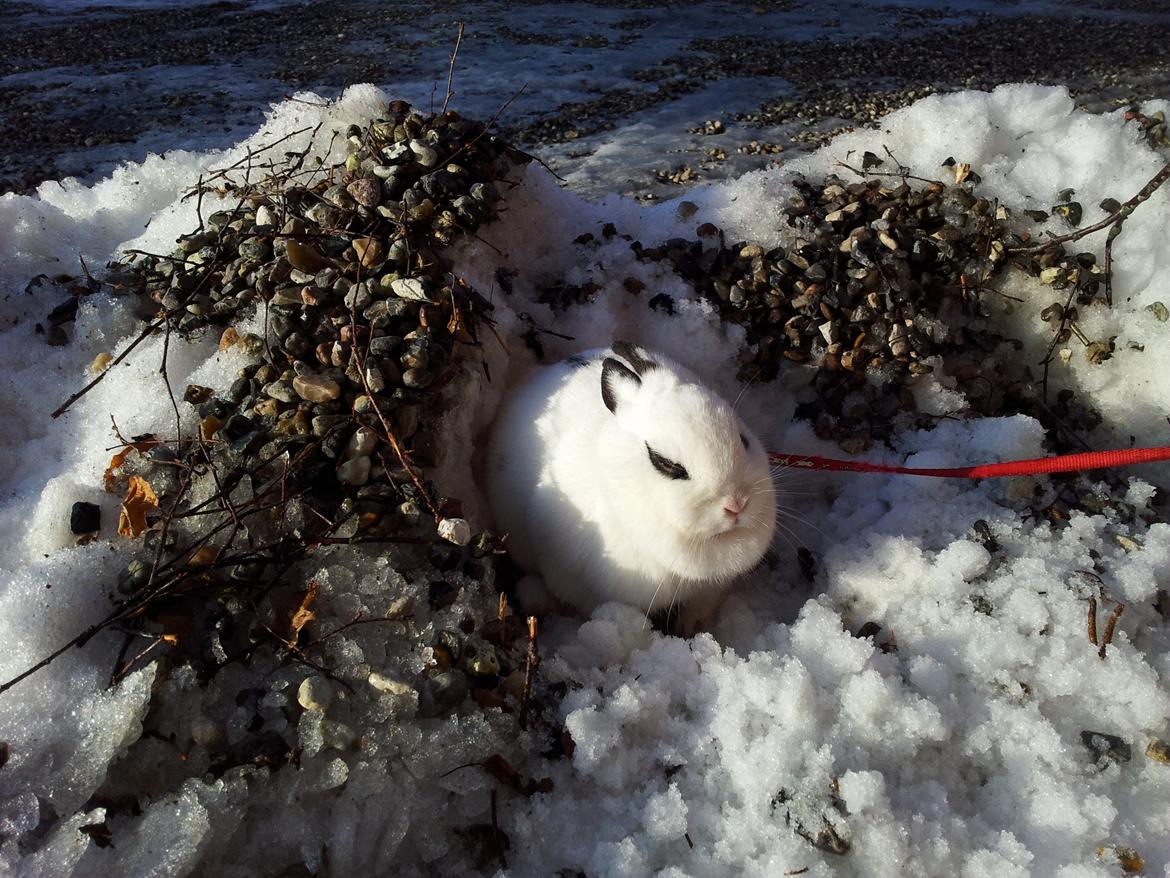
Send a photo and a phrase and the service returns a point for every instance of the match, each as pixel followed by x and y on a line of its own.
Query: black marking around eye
pixel 744 440
pixel 577 362
pixel 667 467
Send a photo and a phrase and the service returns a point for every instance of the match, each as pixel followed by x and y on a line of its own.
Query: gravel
pixel 85 89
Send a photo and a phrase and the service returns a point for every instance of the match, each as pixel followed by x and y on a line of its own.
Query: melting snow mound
pixel 929 705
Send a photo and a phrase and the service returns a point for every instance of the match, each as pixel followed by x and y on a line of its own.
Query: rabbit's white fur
pixel 573 484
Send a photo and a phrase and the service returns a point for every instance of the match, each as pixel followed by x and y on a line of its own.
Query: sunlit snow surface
pixel 959 753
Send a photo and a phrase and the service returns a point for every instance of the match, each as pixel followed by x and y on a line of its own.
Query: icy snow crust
pixel 959 753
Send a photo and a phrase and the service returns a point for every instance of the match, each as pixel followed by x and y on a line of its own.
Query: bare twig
pixel 1110 624
pixel 488 125
pixel 451 70
pixel 142 336
pixel 901 176
pixel 1092 620
pixel 531 660
pixel 1117 217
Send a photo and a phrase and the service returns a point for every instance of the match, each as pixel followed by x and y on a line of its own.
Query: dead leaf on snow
pixel 110 479
pixel 140 500
pixel 304 614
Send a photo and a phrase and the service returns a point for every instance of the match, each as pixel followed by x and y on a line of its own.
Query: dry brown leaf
pixel 208 427
pixel 962 172
pixel 304 615
pixel 203 556
pixel 140 500
pixel 110 479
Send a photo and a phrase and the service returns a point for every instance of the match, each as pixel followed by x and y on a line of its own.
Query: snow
pixel 948 742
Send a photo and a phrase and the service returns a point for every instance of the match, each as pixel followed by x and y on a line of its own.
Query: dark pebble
pixel 1106 748
pixel 442 693
pixel 440 594
pixel 85 518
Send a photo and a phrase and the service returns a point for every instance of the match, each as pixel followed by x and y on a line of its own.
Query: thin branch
pixel 451 70
pixel 1117 217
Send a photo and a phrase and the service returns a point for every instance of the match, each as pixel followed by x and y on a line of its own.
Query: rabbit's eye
pixel 667 467
pixel 744 440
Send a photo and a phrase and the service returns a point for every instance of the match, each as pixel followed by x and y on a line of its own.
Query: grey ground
pixel 81 91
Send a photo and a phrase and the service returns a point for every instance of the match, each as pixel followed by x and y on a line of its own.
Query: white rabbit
pixel 618 475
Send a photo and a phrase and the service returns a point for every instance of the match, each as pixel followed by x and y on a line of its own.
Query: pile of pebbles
pixel 885 283
pixel 326 437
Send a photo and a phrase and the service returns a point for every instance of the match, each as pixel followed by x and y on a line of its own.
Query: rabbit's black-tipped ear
pixel 634 355
pixel 617 382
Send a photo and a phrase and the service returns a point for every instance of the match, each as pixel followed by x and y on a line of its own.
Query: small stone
pixel 1159 311
pixel 1159 751
pixel 1106 748
pixel 370 251
pixel 281 390
pixel 409 288
pixel 424 155
pixel 401 607
pixel 265 217
pixel 390 685
pixel 196 394
pixel 315 693
pixel 332 776
pixel 322 424
pixel 286 297
pixel 365 191
pixel 266 408
pixel 359 297
pixel 100 363
pixel 455 530
pixel 255 248
pixel 296 424
pixel 416 378
pixel 85 518
pixel 375 380
pixel 229 338
pixel 479 659
pixel 304 257
pixel 442 693
pixel 362 442
pixel 316 388
pixel 1127 543
pixel 355 471
pixel 337 735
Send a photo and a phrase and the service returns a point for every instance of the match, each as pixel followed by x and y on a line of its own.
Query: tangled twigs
pixel 1118 216
pixel 1115 219
pixel 388 432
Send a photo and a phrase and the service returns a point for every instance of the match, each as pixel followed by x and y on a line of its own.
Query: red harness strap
pixel 1060 464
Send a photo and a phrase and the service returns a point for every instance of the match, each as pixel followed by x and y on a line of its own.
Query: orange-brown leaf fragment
pixel 203 556
pixel 110 479
pixel 140 500
pixel 209 426
pixel 304 614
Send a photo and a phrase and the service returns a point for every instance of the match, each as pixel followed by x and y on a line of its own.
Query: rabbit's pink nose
pixel 735 504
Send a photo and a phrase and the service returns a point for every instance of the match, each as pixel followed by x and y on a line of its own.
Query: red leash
pixel 1060 464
